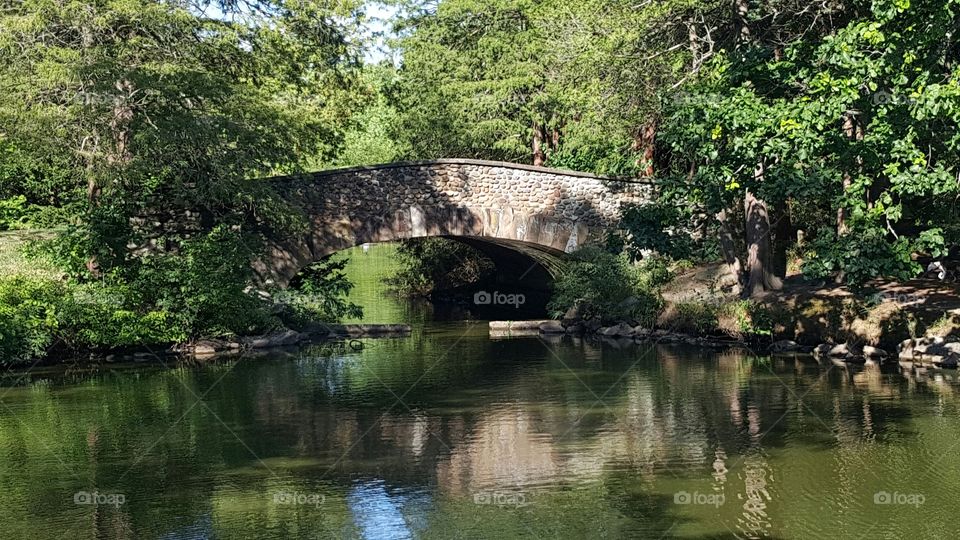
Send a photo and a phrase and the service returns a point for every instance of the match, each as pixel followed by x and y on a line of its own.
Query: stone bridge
pixel 503 209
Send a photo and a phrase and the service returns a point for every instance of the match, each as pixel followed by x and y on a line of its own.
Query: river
pixel 452 434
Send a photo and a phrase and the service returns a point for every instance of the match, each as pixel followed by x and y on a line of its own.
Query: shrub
pixel 605 285
pixel 654 272
pixel 737 319
pixel 742 318
pixel 28 317
pixel 13 212
pixel 860 256
pixel 201 290
pixel 696 317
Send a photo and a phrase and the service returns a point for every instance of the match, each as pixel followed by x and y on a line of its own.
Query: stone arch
pixel 540 212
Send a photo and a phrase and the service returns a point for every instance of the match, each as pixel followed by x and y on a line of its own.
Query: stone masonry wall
pixel 512 205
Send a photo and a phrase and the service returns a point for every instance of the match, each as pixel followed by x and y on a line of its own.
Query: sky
pixel 377 32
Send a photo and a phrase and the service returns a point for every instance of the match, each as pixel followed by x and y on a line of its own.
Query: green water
pixel 367 270
pixel 451 434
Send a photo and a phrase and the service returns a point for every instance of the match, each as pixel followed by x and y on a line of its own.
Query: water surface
pixel 452 434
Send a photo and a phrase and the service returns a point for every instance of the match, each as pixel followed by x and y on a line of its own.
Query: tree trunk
pixel 539 158
pixel 759 269
pixel 782 238
pixel 740 10
pixel 643 142
pixel 729 248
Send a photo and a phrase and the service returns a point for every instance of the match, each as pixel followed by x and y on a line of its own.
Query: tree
pixel 549 82
pixel 802 118
pixel 163 115
pixel 155 106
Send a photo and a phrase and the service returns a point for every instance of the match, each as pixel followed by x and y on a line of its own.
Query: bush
pixel 13 212
pixel 601 283
pixel 742 318
pixel 200 290
pixel 695 317
pixel 860 256
pixel 738 319
pixel 654 272
pixel 28 317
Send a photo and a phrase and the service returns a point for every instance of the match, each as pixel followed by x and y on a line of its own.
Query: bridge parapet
pixel 580 197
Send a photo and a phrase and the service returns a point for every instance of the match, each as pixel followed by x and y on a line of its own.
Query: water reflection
pixel 448 433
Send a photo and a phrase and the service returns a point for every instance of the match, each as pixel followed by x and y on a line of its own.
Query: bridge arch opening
pixel 514 280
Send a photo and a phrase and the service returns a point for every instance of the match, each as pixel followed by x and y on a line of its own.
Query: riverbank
pixel 47 318
pixel 917 320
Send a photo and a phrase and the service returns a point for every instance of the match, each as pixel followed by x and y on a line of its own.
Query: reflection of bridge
pixel 512 213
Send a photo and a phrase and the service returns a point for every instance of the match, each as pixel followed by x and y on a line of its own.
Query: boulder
pixel 784 345
pixel 948 362
pixel 874 352
pixel 576 329
pixel 204 349
pixel 843 350
pixel 840 350
pixel 551 327
pixel 822 350
pixel 641 332
pixel 934 349
pixel 283 338
pixel 905 349
pixel 619 330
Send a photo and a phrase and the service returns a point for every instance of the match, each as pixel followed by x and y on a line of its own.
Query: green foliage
pixel 749 318
pixel 695 317
pixel 659 227
pixel 37 187
pixel 654 272
pixel 602 157
pixel 203 286
pixel 738 318
pixel 485 79
pixel 430 264
pixel 40 314
pixel 129 112
pixel 860 115
pixel 321 294
pixel 600 283
pixel 860 257
pixel 371 139
pixel 28 317
pixel 13 212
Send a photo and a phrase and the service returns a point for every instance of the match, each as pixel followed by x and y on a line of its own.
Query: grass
pixel 14 262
